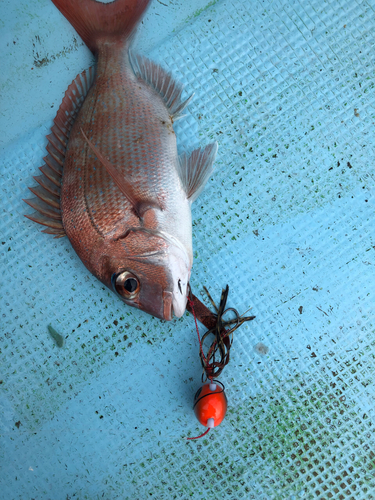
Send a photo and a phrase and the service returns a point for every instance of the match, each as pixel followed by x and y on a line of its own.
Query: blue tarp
pixel 287 220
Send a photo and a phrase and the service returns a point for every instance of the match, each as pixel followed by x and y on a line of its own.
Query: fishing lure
pixel 210 401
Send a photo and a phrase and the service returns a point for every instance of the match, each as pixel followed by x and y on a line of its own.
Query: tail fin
pixel 96 21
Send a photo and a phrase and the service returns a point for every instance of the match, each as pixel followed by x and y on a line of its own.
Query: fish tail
pixel 98 22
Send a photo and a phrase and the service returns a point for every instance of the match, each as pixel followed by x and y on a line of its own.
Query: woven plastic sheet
pixel 287 89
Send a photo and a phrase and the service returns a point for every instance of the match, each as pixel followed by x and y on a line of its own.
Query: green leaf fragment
pixel 59 339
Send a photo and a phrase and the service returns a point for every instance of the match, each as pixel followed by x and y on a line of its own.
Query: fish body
pixel 126 194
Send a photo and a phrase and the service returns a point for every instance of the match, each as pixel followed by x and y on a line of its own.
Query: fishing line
pixel 210 402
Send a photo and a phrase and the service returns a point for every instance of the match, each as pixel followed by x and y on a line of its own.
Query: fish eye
pixel 127 285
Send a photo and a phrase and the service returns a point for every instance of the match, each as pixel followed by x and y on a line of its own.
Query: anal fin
pixel 161 81
pixel 195 169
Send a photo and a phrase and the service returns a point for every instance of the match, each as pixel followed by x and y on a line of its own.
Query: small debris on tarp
pixel 59 339
pixel 261 348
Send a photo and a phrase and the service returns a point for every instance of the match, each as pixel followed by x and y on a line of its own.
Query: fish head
pixel 153 277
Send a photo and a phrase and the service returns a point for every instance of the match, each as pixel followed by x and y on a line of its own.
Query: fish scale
pixel 148 164
pixel 125 198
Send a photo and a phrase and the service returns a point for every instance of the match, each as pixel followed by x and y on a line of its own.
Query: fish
pixel 113 181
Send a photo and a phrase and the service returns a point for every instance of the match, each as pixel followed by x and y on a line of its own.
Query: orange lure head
pixel 210 404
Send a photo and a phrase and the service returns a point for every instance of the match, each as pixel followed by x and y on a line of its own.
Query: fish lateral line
pixel 139 207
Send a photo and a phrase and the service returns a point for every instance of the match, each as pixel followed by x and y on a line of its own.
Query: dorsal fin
pixel 195 170
pixel 162 81
pixel 48 190
pixel 46 196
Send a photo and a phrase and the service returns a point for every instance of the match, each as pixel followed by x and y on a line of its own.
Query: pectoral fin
pixel 139 206
pixel 195 170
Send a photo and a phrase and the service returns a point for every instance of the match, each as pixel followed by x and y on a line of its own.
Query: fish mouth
pixel 168 310
pixel 168 305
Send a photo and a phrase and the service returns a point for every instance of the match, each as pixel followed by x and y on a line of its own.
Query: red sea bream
pixel 113 181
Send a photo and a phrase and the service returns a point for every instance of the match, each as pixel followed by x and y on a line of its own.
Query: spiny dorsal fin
pixel 48 185
pixel 195 170
pixel 163 82
pixel 46 196
pixel 59 233
pixel 45 221
pixel 44 208
pixel 48 191
pixel 51 175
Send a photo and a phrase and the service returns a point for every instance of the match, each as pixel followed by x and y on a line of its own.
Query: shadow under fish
pixel 113 181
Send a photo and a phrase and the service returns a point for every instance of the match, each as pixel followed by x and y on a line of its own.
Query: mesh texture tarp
pixel 287 220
